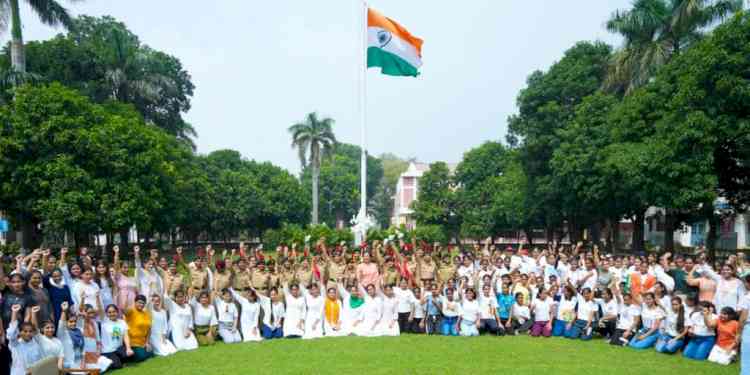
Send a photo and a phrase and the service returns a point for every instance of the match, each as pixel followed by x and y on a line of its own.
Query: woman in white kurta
pixel 149 280
pixel 159 336
pixel 228 318
pixel 352 309
pixel 314 316
pixel 729 289
pixel 294 317
pixel 181 322
pixel 372 312
pixel 249 316
pixel 389 322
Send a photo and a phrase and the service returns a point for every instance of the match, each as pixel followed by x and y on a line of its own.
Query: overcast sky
pixel 258 67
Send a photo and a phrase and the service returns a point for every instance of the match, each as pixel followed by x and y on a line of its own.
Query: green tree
pixel 50 12
pixel 655 31
pixel 437 201
pixel 546 106
pixel 313 137
pixel 340 180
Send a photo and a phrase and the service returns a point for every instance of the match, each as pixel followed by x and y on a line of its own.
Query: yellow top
pixel 139 326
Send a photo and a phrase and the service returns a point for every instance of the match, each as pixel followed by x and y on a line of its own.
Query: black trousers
pixel 403 322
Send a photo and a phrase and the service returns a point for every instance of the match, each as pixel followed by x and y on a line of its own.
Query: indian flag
pixel 391 47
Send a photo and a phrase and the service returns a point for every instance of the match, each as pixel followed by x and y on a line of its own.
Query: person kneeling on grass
pixel 651 316
pixel 542 307
pixel 566 311
pixel 582 327
pixel 628 320
pixel 702 332
pixel 488 322
pixel 727 337
pixel 139 329
pixel 468 321
pixel 450 307
pixel 228 318
pixel 673 331
pixel 115 338
pixel 205 319
pixel 520 317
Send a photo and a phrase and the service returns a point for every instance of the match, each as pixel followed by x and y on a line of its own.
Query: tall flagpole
pixel 363 117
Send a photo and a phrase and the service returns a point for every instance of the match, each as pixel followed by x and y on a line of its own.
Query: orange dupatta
pixel 332 310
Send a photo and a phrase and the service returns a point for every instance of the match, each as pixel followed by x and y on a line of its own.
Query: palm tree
pixel 313 136
pixel 50 12
pixel 657 30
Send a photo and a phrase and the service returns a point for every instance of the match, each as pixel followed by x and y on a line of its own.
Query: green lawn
pixel 418 354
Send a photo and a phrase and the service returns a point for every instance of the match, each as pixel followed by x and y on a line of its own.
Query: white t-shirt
pixel 420 309
pixel 542 309
pixel 405 299
pixel 485 305
pixel 566 309
pixel 112 334
pixel 650 316
pixel 608 308
pixel 628 314
pixel 586 309
pixel 450 308
pixel 204 316
pixel 698 324
pixel 669 324
pixel 465 271
pixel 227 311
pixel 591 281
pixel 470 310
pixel 520 313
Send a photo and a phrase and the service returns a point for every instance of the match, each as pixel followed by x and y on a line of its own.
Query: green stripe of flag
pixel 389 63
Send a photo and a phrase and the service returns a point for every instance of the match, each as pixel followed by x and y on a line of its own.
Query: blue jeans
pixel 745 351
pixel 579 330
pixel 663 345
pixel 269 333
pixel 699 347
pixel 558 327
pixel 448 326
pixel 647 341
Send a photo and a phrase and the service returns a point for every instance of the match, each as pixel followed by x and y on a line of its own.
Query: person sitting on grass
pixel 651 316
pixel 673 330
pixel 520 321
pixel 586 311
pixel 727 337
pixel 543 310
pixel 139 329
pixel 702 324
pixel 205 320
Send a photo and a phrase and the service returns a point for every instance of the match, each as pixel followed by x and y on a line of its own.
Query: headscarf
pixel 76 336
pixel 355 302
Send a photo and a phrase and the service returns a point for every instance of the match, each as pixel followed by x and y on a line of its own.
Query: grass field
pixel 417 354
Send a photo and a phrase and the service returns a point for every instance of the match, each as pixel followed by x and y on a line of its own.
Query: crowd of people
pixel 85 312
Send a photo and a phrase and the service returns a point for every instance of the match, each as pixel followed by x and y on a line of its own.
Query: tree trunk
pixel 638 233
pixel 596 233
pixel 315 177
pixel 615 232
pixel 713 235
pixel 17 56
pixel 669 224
pixel 124 240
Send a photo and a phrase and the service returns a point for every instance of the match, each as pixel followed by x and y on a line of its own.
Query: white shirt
pixel 112 334
pixel 649 316
pixel 486 303
pixel 669 324
pixel 405 299
pixel 628 314
pixel 698 324
pixel 465 271
pixel 449 307
pixel 586 309
pixel 542 309
pixel 520 313
pixel 227 311
pixel 608 308
pixel 566 309
pixel 204 316
pixel 470 310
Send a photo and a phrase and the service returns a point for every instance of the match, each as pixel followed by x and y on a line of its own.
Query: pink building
pixel 407 190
